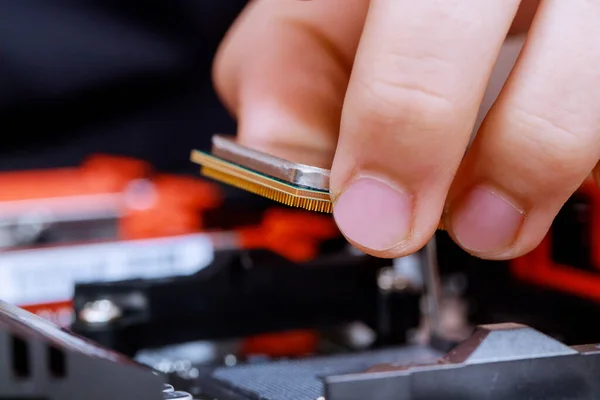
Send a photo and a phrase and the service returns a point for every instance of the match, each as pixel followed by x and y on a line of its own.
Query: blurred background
pixel 130 78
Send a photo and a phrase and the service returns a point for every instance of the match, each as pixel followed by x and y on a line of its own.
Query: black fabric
pixel 119 76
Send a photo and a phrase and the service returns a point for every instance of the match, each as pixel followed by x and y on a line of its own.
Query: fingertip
pixel 374 214
pixel 485 222
pixel 378 216
pixel 492 223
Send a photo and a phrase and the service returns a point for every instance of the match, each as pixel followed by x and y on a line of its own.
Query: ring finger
pixel 418 79
pixel 540 140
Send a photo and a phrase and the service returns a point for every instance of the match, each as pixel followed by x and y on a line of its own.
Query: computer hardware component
pixel 498 362
pixel 503 361
pixel 297 179
pixel 245 293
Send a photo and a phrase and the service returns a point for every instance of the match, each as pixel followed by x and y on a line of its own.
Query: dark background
pixel 79 77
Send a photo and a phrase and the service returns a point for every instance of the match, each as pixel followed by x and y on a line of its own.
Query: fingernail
pixel 373 214
pixel 485 222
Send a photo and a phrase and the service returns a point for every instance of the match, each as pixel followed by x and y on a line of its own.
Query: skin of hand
pixel 392 89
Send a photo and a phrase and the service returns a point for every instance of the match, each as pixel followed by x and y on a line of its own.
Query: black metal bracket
pixel 244 293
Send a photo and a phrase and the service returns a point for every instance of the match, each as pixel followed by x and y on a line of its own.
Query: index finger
pixel 283 70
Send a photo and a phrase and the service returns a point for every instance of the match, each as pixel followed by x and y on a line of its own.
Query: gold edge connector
pixel 253 182
pixel 270 193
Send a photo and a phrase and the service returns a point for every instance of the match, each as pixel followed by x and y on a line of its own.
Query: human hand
pixel 400 83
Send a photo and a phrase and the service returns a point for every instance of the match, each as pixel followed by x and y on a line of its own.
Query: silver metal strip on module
pixel 311 175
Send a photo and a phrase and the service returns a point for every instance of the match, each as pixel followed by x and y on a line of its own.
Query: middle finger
pixel 419 76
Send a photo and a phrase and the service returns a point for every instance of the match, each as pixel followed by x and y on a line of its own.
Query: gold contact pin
pixel 262 185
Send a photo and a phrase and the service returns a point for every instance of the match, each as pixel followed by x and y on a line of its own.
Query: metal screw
pixel 170 393
pixel 230 360
pixel 385 280
pixel 100 312
pixel 193 373
pixel 168 388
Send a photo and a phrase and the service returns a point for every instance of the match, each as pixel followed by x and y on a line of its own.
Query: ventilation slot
pixel 56 362
pixel 21 363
